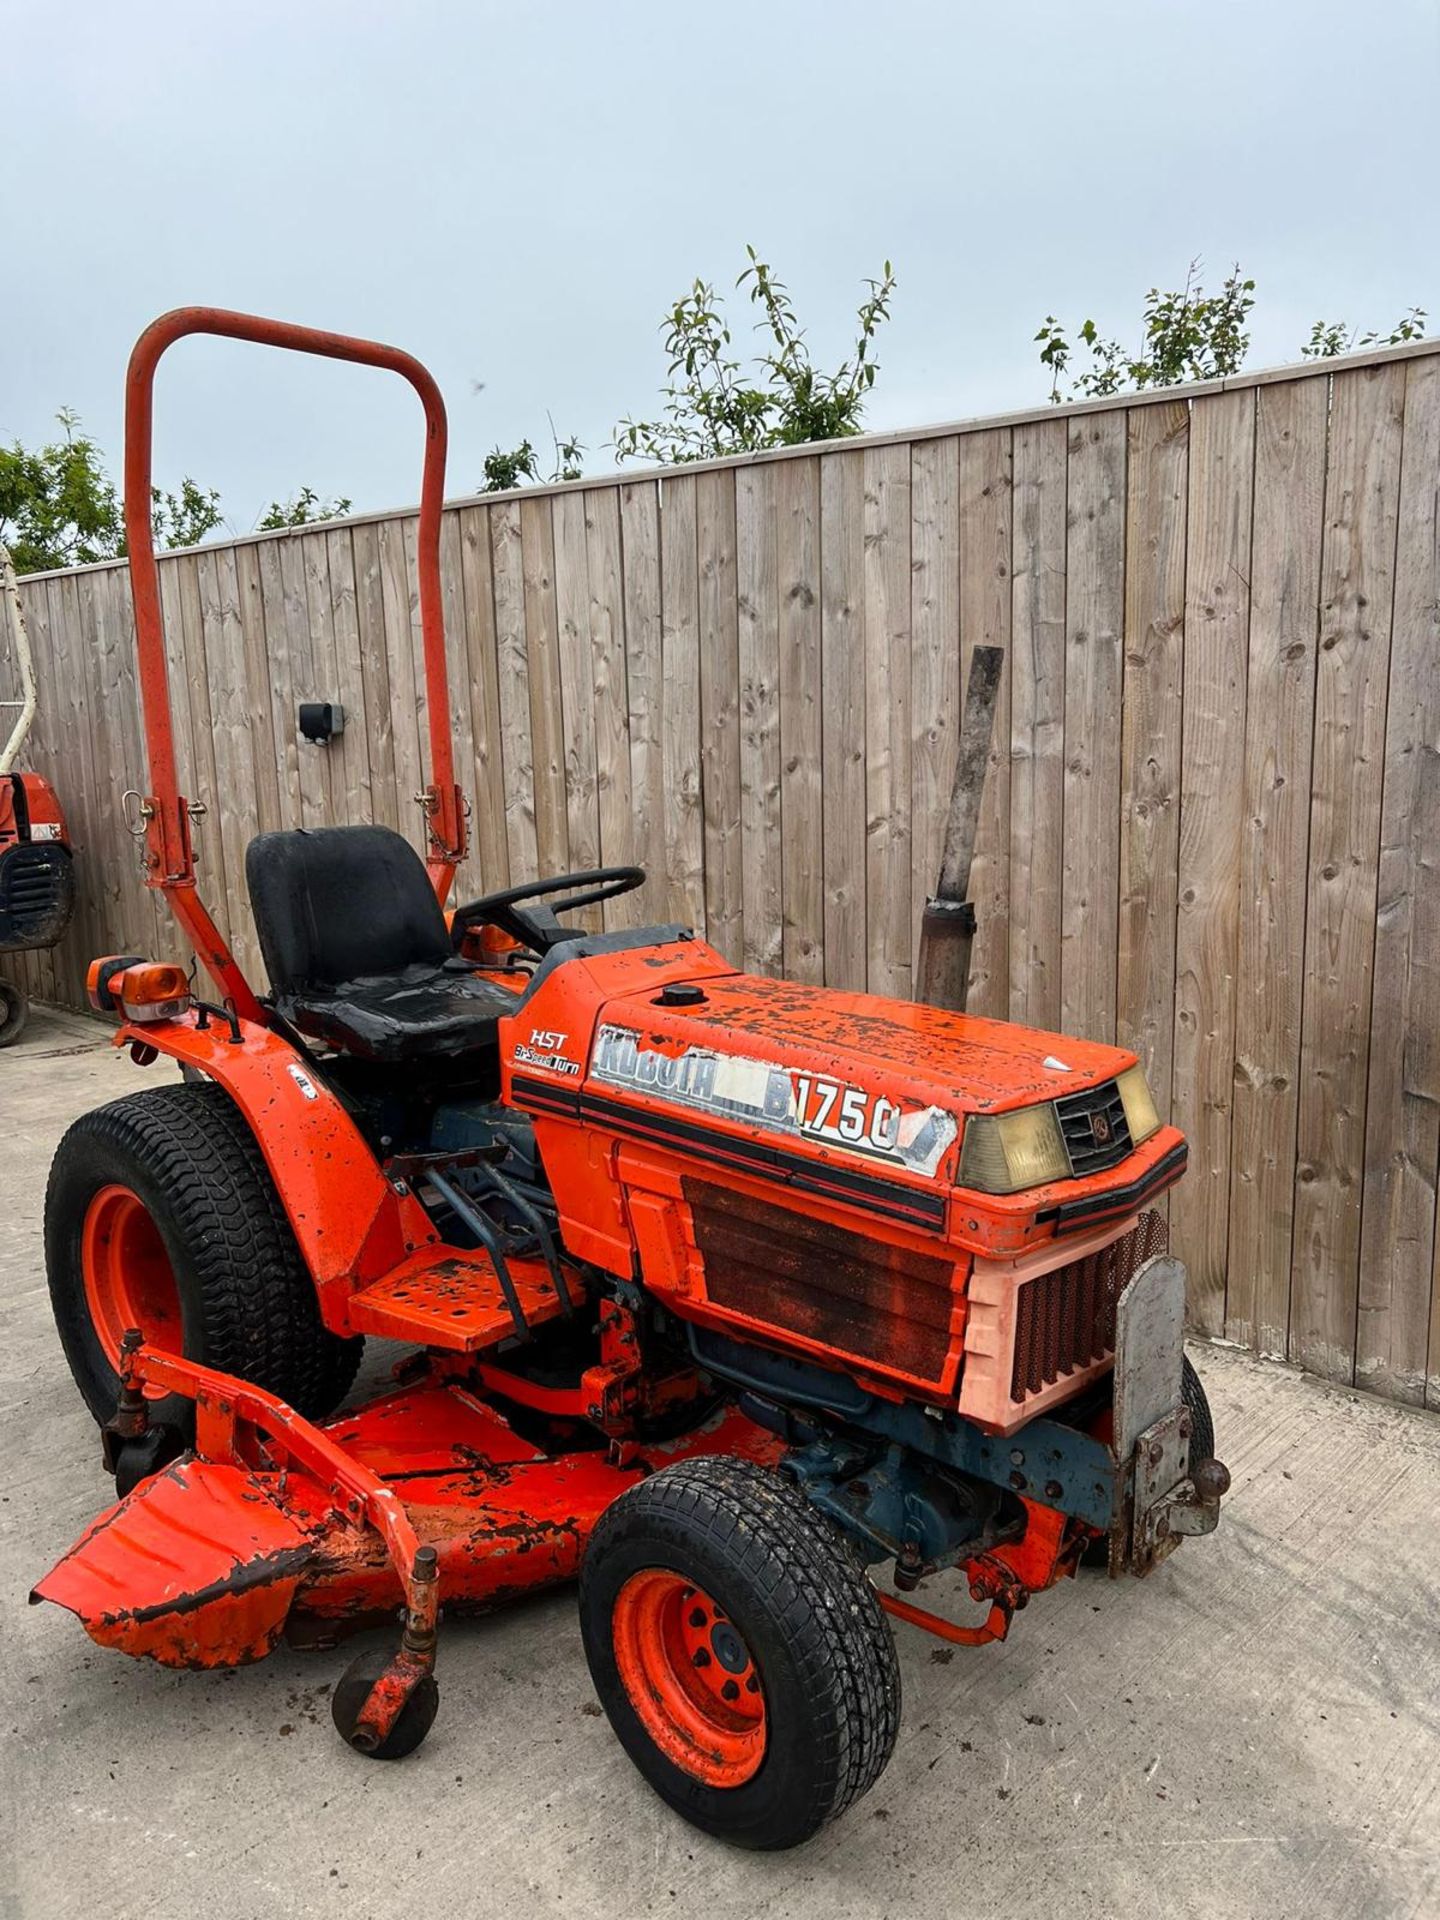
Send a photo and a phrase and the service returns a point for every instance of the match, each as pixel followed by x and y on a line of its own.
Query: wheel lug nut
pixel 752 1685
pixel 730 1691
pixel 700 1657
pixel 697 1618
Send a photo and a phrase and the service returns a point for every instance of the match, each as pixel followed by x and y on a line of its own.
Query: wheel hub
pixel 690 1678
pixel 129 1281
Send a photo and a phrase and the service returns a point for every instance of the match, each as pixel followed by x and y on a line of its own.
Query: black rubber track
pixel 247 1300
pixel 810 1618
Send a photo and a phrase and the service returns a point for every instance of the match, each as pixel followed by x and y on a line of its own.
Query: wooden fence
pixel 1212 823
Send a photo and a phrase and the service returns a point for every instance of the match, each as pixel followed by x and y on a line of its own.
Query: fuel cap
pixel 680 995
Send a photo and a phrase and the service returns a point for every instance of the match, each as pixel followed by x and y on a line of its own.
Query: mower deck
pixel 269 1530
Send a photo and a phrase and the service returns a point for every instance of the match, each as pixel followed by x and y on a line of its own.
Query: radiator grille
pixel 1094 1129
pixel 1065 1320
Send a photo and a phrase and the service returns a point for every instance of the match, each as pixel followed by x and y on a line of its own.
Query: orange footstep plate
pixel 450 1297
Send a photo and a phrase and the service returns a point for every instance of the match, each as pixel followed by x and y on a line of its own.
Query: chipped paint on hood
pixel 952 1060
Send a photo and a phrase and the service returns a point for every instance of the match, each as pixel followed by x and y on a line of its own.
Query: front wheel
pixel 161 1214
pixel 739 1651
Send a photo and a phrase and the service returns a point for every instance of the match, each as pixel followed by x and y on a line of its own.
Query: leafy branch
pixel 1190 335
pixel 714 406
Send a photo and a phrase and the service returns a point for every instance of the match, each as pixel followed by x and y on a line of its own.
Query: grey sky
pixel 517 192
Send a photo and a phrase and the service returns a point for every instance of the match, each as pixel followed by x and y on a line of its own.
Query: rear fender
pixel 351 1223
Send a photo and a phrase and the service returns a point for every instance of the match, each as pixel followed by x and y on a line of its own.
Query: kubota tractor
pixel 37 880
pixel 725 1292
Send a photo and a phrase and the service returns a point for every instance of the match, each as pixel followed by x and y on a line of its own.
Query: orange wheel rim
pixel 690 1678
pixel 129 1281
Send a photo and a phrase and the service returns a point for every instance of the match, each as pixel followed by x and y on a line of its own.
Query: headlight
pixel 1003 1152
pixel 1140 1115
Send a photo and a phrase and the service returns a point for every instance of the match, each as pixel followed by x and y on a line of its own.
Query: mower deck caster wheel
pixel 415 1720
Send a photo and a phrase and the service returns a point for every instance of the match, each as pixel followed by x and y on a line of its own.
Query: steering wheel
pixel 539 929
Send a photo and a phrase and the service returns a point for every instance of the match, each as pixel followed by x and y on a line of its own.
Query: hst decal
pixel 814 1107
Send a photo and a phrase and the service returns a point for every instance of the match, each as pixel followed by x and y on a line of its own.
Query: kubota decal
pixel 856 1119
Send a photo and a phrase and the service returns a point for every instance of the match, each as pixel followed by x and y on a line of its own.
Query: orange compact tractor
pixel 37 883
pixel 723 1291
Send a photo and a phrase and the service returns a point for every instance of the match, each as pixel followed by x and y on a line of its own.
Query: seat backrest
pixel 333 904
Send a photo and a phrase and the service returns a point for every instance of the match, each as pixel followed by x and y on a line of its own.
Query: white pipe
pixel 15 621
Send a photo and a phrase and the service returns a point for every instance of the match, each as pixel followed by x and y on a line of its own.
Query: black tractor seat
pixel 357 949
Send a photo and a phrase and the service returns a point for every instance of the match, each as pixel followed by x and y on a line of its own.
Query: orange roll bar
pixel 169 854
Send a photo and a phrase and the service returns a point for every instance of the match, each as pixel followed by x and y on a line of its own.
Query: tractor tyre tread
pixel 228 1236
pixel 1202 1421
pixel 14 1012
pixel 814 1588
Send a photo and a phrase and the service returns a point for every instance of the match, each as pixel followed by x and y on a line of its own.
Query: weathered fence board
pixel 1402 1111
pixel 1290 427
pixel 1157 466
pixel 1362 489
pixel 1037 721
pixel 842 680
pixel 1212 824
pixel 1207 919
pixel 1094 621
pixel 802 802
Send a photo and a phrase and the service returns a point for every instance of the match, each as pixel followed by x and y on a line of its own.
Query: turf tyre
pixel 247 1302
pixel 809 1618
pixel 14 1013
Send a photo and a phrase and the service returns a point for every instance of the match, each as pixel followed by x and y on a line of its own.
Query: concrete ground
pixel 1255 1731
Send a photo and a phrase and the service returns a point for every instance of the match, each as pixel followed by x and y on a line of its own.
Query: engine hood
pixel 955 1061
pixel 841 1072
pixel 849 1095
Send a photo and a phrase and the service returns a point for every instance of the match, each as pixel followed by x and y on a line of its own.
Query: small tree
pixel 1192 335
pixel 522 464
pixel 1327 339
pixel 183 519
pixel 303 510
pixel 714 406
pixel 1188 335
pixel 58 506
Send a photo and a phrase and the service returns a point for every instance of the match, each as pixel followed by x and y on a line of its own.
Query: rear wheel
pixel 739 1651
pixel 160 1213
pixel 1202 1446
pixel 1202 1422
pixel 14 1012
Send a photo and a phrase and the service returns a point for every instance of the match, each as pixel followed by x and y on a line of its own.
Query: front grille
pixel 1065 1319
pixel 1094 1129
pixel 37 892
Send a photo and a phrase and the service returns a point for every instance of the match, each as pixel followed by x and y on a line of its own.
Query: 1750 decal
pixel 853 1118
